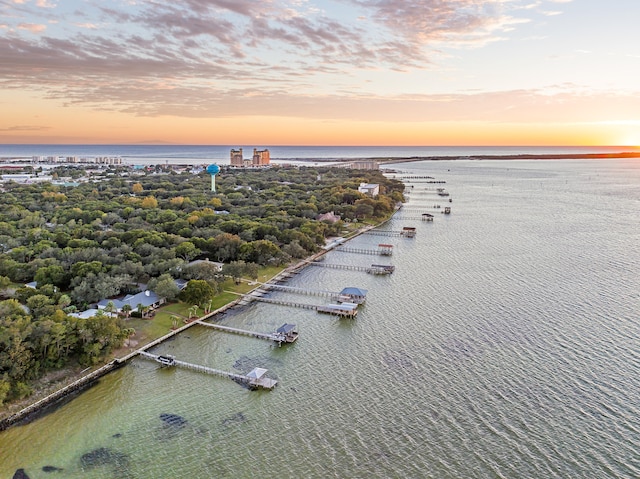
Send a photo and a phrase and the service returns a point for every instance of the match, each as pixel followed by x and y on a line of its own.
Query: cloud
pixel 218 57
pixel 32 27
pixel 26 128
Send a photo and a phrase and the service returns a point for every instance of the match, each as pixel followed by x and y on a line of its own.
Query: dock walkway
pixel 335 309
pixel 252 382
pixel 373 269
pixel 276 337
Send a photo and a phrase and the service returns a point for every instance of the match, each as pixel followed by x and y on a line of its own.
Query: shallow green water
pixel 504 345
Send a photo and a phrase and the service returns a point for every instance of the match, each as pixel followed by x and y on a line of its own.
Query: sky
pixel 320 72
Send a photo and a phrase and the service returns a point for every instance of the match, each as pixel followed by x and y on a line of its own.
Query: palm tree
pixel 110 308
pixel 126 309
pixel 207 308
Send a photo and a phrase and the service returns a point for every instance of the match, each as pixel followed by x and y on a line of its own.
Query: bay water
pixel 506 344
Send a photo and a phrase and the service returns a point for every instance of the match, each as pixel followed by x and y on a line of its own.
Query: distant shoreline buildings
pixel 98 160
pixel 260 158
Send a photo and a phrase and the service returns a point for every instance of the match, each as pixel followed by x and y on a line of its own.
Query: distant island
pixel 527 156
pixel 550 156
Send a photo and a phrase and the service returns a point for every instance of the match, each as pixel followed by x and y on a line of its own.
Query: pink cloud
pixel 32 27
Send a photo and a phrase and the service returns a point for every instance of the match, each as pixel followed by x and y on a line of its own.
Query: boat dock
pixel 382 250
pixel 291 289
pixel 419 209
pixel 430 179
pixel 350 294
pixel 277 337
pixel 423 217
pixel 406 232
pixel 254 380
pixel 373 269
pixel 340 309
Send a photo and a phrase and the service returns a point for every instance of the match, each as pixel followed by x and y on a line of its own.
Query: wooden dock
pixel 275 337
pixel 373 269
pixel 335 309
pixel 253 381
pixel 404 232
pixel 418 209
pixel 291 289
pixel 383 233
pixel 423 217
pixel 380 251
pixel 342 296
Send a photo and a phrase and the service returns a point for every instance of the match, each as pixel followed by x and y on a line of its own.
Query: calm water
pixel 505 345
pixel 194 154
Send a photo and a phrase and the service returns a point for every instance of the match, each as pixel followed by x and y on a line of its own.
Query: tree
pixel 137 188
pixel 206 270
pixel 64 301
pixel 197 292
pixel 165 287
pixel 5 387
pixel 40 305
pixel 149 202
pixel 260 252
pixel 235 270
pixel 187 250
pixel 110 308
pixel 53 274
pixel 126 309
pixel 207 306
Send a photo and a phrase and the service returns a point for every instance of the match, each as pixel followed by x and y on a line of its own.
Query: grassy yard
pixel 175 313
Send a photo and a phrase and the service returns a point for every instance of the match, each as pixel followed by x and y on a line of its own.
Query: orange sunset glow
pixel 308 73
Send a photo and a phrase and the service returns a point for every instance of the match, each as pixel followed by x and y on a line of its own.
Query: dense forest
pixel 105 237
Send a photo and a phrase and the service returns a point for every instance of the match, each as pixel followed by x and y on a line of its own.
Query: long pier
pixel 373 269
pixel 423 217
pixel 276 337
pixel 417 209
pixel 335 309
pixel 252 382
pixel 292 289
pixel 409 233
pixel 378 251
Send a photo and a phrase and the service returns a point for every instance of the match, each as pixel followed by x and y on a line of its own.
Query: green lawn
pixel 152 328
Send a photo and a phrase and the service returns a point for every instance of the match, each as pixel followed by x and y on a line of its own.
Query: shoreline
pixel 380 159
pixel 75 385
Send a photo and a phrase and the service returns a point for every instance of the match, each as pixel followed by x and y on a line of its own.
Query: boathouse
pixel 409 231
pixel 341 309
pixel 385 249
pixel 381 269
pixel 353 295
pixel 288 332
pixel 256 379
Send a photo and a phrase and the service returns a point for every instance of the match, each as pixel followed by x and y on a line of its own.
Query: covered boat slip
pixel 255 379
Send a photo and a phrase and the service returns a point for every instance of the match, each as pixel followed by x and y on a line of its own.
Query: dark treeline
pixel 102 238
